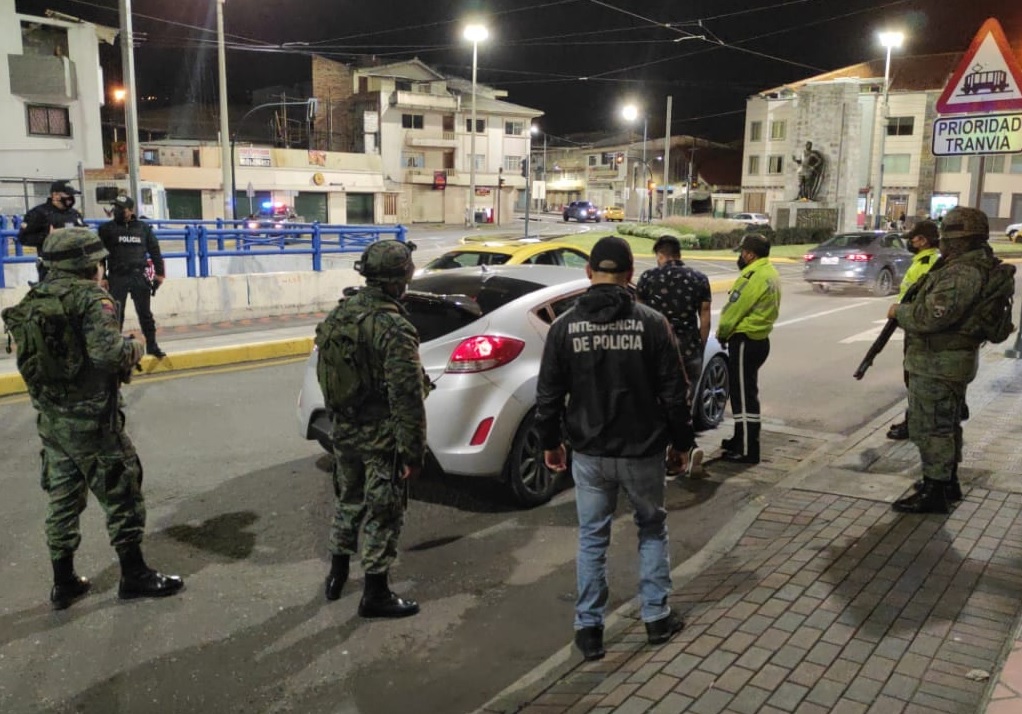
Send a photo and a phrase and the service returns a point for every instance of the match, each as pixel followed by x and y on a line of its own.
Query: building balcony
pixel 422 140
pixel 423 102
pixel 40 78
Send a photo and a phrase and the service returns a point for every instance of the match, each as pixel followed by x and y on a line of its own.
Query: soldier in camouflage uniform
pixel 942 355
pixel 81 426
pixel 379 448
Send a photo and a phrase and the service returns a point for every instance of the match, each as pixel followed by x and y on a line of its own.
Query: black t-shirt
pixel 677 292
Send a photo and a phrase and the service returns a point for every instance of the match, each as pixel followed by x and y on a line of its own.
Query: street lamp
pixel 118 95
pixel 474 34
pixel 535 130
pixel 225 157
pixel 630 112
pixel 131 98
pixel 890 41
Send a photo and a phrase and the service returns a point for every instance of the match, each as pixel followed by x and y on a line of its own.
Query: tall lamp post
pixel 474 34
pixel 130 104
pixel 225 133
pixel 630 112
pixel 890 41
pixel 535 130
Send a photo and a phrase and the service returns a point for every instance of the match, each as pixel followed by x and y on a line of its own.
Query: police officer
pixel 923 241
pixel 746 321
pixel 382 444
pixel 81 426
pixel 129 241
pixel 942 354
pixel 58 212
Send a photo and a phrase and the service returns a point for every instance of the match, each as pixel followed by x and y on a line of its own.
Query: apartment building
pixel 840 112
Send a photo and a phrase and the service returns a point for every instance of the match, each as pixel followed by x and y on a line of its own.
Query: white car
pixel 1014 231
pixel 482 331
pixel 752 219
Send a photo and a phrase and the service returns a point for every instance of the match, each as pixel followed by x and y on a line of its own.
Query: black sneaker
pixel 660 631
pixel 589 641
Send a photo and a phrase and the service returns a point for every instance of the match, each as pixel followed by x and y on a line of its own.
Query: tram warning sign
pixel 969 135
pixel 988 78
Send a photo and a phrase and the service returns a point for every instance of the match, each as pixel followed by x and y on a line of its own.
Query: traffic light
pixel 525 168
pixel 619 159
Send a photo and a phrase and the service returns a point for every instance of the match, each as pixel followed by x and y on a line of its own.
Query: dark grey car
pixel 871 259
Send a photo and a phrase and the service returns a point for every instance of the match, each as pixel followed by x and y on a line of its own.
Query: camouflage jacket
pixel 396 410
pixel 934 322
pixel 108 353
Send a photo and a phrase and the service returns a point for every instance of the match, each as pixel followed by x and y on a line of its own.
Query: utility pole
pixel 667 158
pixel 130 106
pixel 225 132
pixel 691 169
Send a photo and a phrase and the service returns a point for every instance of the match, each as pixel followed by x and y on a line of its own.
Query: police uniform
pixel 746 321
pixel 384 443
pixel 81 425
pixel 130 242
pixel 49 216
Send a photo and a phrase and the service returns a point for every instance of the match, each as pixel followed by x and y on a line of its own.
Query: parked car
pixel 1014 232
pixel 614 213
pixel 582 211
pixel 752 219
pixel 482 332
pixel 509 253
pixel 873 259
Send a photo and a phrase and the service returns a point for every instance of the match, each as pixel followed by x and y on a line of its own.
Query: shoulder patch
pixel 108 305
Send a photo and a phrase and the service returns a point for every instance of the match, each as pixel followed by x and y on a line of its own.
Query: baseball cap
pixel 755 243
pixel 927 229
pixel 124 202
pixel 611 255
pixel 63 187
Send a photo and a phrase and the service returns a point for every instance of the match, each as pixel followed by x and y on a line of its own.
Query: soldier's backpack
pixel 991 317
pixel 50 343
pixel 343 369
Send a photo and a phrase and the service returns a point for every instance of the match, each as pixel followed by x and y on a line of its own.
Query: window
pixel 949 164
pixel 897 163
pixel 48 121
pixel 480 161
pixel 900 126
pixel 512 163
pixel 756 131
pixel 777 130
pixel 1016 164
pixel 411 121
pixel 593 160
pixel 753 166
pixel 151 157
pixel 514 128
pixel 480 126
pixel 403 85
pixel 994 164
pixel 990 204
pixel 775 165
pixel 412 160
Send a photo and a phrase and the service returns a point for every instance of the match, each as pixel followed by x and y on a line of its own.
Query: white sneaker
pixel 695 464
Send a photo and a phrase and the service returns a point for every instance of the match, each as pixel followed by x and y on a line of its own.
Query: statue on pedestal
pixel 810 173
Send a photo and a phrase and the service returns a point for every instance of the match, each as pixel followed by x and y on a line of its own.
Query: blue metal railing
pixel 204 240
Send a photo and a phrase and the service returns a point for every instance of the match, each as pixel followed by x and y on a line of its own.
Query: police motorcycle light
pixel 482 353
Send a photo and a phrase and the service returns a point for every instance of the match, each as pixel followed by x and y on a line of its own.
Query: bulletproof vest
pixel 127 245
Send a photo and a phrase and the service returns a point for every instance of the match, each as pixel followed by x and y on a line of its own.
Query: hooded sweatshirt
pixel 612 373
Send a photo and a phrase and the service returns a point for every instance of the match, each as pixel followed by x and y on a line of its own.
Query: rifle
pixel 885 334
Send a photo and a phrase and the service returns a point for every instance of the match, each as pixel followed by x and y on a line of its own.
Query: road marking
pixel 873 333
pixel 815 315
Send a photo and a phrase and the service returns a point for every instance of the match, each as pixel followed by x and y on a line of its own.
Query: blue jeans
pixel 597 481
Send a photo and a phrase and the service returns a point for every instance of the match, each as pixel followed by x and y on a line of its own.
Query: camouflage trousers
pixel 81 455
pixel 367 495
pixel 935 412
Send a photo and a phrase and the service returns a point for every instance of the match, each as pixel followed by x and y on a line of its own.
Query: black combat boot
pixel 379 601
pixel 151 348
pixel 68 586
pixel 659 631
pixel 589 641
pixel 952 488
pixel 338 576
pixel 899 431
pixel 931 498
pixel 139 580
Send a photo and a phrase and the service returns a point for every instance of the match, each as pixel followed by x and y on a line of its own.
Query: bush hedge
pixel 783 236
pixel 654 231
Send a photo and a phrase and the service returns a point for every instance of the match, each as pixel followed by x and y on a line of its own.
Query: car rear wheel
pixel 532 483
pixel 711 394
pixel 821 288
pixel 884 283
pixel 565 217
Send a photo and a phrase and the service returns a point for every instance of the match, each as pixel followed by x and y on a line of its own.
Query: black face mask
pixel 119 215
pixel 742 262
pixel 912 248
pixel 67 201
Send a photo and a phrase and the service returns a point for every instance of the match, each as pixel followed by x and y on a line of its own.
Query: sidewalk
pixel 819 598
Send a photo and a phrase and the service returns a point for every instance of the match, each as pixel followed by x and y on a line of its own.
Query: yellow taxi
pixel 510 253
pixel 614 213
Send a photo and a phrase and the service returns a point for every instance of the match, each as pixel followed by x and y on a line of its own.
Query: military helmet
pixel 387 261
pixel 73 249
pixel 961 222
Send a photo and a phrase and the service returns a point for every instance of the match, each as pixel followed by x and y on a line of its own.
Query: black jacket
pixel 617 362
pixel 40 219
pixel 128 244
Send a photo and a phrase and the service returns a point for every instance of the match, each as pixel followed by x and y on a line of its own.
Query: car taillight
pixel 478 354
pixel 808 257
pixel 859 257
pixel 482 431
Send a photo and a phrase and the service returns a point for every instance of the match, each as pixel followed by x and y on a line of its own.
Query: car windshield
pixel 849 240
pixel 439 304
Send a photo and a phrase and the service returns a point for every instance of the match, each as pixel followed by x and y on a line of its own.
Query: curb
pixel 12 383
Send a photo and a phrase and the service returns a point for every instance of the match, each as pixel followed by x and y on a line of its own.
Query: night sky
pixel 541 50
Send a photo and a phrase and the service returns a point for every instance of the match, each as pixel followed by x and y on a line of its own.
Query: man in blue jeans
pixel 612 373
